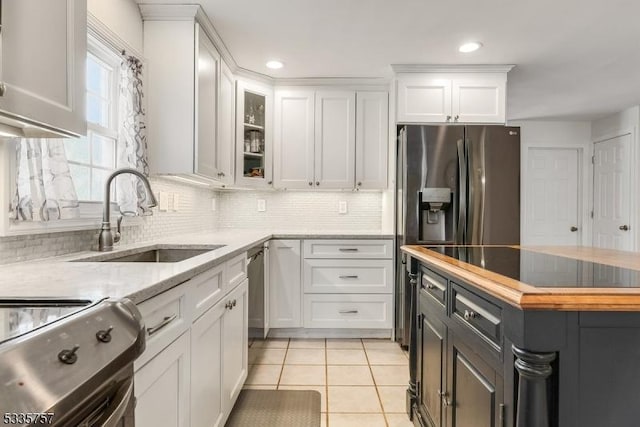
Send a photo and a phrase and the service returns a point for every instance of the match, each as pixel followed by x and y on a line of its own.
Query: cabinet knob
pixel 573 228
pixel 234 302
pixel 229 305
pixel 455 119
pixel 310 183
pixel 448 118
pixel 359 184
pixel 270 182
pixel 3 89
pixel 624 227
pixel 469 314
pixel 317 183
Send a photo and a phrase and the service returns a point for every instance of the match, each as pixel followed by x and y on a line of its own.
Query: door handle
pixel 624 227
pixel 573 228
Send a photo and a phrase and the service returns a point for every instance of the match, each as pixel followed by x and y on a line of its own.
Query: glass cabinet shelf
pixel 254 135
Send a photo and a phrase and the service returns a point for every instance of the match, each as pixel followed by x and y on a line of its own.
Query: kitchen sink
pixel 156 254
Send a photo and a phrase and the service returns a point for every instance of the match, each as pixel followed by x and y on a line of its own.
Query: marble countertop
pixel 57 277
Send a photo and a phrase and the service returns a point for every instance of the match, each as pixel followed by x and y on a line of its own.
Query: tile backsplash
pixel 193 214
pixel 301 211
pixel 283 210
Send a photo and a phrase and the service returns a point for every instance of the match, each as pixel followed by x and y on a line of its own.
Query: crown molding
pixel 451 68
pixel 374 82
pixel 107 36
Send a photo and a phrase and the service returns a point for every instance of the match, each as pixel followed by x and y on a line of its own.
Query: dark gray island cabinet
pixel 489 349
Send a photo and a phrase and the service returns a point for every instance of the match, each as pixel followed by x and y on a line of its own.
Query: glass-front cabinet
pixel 254 135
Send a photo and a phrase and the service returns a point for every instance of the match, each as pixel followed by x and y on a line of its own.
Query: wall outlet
pixel 163 201
pixel 342 207
pixel 176 202
pixel 213 205
pixel 262 205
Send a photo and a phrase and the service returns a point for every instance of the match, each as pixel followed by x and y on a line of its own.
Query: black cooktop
pixel 543 270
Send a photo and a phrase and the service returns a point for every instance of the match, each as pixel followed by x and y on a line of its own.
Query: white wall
pixel 560 134
pixel 301 211
pixel 122 17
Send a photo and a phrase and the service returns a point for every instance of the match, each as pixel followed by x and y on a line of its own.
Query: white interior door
pixel 611 207
pixel 551 213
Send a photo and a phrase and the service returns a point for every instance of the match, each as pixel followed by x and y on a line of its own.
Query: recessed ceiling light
pixel 275 65
pixel 470 47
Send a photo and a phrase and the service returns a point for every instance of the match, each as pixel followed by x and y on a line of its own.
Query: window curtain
pixel 44 188
pixel 132 139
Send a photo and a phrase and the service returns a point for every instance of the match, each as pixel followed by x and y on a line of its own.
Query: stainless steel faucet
pixel 107 237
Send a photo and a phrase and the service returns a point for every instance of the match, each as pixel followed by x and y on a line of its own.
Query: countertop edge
pixel 527 297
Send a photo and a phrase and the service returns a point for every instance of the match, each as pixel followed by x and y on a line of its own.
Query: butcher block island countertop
pixel 615 285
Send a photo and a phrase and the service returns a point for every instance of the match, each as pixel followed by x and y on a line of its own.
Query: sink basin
pixel 156 254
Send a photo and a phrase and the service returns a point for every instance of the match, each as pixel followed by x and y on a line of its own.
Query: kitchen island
pixel 526 337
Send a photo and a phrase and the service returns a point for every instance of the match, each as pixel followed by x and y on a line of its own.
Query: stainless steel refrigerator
pixel 454 185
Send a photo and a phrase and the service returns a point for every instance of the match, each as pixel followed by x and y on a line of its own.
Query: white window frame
pixel 92 209
pixel 101 37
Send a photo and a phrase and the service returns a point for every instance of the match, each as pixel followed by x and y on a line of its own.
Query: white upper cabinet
pixel 472 96
pixel 479 99
pixel 294 139
pixel 190 95
pixel 335 139
pixel 254 146
pixel 43 55
pixel 206 96
pixel 372 137
pixel 325 138
pixel 423 99
pixel 226 125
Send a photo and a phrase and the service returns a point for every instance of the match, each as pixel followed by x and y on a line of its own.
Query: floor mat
pixel 276 408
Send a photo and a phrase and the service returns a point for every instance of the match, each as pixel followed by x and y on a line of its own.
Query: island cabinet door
pixel 475 395
pixel 432 350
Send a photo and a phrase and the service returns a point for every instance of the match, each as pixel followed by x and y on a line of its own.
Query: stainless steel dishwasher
pixel 258 291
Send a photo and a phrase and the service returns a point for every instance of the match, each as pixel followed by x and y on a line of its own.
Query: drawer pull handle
pixel 348 249
pixel 349 277
pixel 348 311
pixel 429 283
pixel 469 314
pixel 167 319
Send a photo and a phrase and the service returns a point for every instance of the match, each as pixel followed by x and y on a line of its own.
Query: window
pixel 93 158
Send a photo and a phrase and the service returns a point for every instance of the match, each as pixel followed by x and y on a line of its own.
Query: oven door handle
pixel 121 401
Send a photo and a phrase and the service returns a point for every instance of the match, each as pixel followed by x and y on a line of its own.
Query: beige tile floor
pixel 362 382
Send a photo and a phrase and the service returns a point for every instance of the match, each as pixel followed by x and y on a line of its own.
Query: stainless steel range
pixel 68 362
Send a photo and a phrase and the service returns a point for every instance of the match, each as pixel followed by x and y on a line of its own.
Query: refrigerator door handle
pixel 462 193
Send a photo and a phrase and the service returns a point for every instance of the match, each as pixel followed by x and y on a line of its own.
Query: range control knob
pixel 69 356
pixel 104 335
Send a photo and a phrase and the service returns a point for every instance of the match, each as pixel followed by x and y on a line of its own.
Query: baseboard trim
pixel 329 333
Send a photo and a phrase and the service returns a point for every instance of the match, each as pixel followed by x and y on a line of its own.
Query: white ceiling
pixel 575 59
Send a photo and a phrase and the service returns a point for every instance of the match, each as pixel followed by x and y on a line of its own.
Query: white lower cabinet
pixel 331 284
pixel 235 345
pixel 194 379
pixel 285 288
pixel 219 342
pixel 206 368
pixel 162 387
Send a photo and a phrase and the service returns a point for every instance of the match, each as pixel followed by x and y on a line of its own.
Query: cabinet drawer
pixel 348 249
pixel 348 311
pixel 207 290
pixel 348 276
pixel 166 317
pixel 434 285
pixel 236 270
pixel 477 313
